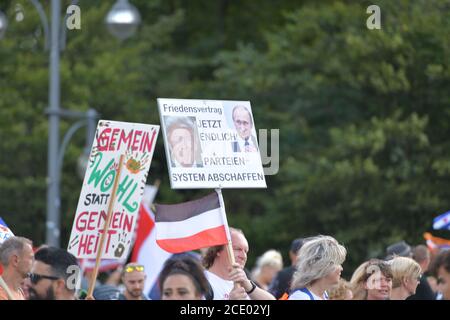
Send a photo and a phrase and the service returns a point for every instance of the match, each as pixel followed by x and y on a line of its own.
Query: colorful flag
pixel 442 221
pixel 436 243
pixel 146 252
pixel 190 225
pixel 5 232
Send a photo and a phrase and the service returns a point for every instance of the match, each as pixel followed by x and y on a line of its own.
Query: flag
pixel 436 243
pixel 191 225
pixel 146 252
pixel 5 232
pixel 442 221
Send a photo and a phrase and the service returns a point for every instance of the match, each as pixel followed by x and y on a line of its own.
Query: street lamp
pixel 123 19
pixel 124 27
pixel 3 24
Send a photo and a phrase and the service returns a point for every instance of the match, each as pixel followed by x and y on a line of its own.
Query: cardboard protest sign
pixel 5 232
pixel 136 143
pixel 211 144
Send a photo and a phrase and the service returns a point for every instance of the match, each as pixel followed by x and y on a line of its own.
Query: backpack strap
pixel 6 288
pixel 304 290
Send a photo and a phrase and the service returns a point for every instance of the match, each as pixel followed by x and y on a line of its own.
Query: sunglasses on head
pixel 35 278
pixel 134 268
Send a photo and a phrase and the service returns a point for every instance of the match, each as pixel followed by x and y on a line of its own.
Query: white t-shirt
pixel 221 287
pixel 300 295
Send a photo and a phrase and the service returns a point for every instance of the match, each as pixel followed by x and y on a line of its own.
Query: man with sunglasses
pixel 16 257
pixel 133 277
pixel 53 276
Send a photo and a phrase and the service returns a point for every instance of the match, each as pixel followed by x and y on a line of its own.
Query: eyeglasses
pixel 134 268
pixel 35 278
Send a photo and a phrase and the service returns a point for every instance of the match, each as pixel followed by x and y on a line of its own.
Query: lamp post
pixel 3 24
pixel 122 28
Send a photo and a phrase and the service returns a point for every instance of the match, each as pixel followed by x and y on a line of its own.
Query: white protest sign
pixel 211 144
pixel 112 139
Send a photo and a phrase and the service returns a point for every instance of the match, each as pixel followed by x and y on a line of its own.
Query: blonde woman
pixel 267 267
pixel 318 268
pixel 407 274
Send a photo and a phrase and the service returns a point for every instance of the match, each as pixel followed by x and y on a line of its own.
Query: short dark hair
pixel 296 245
pixel 441 260
pixel 59 261
pixel 189 267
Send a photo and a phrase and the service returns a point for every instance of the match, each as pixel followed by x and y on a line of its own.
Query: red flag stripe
pixel 145 226
pixel 206 238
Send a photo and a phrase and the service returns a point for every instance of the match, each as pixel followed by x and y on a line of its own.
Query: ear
pixel 365 285
pixel 59 286
pixel 14 260
pixel 405 281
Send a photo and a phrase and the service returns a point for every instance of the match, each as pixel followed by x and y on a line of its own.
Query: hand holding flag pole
pixel 227 231
pixel 112 201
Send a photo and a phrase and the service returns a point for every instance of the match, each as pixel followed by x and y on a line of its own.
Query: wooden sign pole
pixel 112 201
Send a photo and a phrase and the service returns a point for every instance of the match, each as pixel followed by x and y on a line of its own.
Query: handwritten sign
pixel 211 144
pixel 112 139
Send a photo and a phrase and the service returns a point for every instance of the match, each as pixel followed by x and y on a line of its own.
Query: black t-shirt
pixel 423 291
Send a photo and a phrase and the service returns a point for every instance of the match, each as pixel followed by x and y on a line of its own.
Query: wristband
pixel 253 287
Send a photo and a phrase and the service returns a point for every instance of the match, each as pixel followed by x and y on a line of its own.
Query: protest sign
pixel 211 144
pixel 134 143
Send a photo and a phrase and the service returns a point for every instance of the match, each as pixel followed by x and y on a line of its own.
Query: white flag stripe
pixel 189 227
pixel 441 221
pixel 152 257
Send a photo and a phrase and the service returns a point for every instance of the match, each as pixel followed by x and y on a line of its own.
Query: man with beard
pixel 133 277
pixel 16 257
pixel 52 275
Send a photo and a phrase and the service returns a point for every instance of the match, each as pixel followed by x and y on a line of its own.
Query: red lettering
pixel 108 239
pixel 86 242
pixel 102 218
pixel 126 139
pixel 103 140
pixel 137 134
pixel 128 223
pixel 115 220
pixel 92 220
pixel 147 144
pixel 80 222
pixel 113 139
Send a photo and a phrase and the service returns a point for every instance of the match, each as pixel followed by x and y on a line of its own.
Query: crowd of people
pixel 314 273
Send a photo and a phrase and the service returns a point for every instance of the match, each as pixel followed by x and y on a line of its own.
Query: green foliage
pixel 363 114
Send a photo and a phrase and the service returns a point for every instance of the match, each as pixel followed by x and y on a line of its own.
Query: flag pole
pixel 112 201
pixel 227 229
